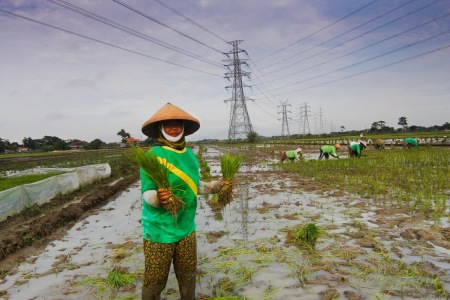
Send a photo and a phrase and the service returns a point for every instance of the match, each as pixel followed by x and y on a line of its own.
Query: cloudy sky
pixel 86 69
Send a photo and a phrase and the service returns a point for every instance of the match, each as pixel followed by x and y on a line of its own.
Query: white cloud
pixel 55 83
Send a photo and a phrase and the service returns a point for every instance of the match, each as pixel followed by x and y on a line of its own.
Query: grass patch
pixel 414 178
pixel 11 182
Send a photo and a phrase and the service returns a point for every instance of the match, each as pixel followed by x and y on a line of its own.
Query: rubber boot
pixel 149 294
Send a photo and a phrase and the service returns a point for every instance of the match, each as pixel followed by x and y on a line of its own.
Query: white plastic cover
pixel 16 199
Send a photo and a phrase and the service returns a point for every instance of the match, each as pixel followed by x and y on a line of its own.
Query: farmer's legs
pixel 321 154
pixel 185 265
pixel 327 156
pixel 283 156
pixel 158 258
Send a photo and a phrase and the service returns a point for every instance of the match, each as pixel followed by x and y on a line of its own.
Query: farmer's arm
pixel 333 153
pixel 358 151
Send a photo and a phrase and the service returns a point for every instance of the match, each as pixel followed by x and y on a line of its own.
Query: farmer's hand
pixel 225 182
pixel 163 195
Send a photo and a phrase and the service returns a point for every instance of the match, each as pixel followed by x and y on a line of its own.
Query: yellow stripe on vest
pixel 179 173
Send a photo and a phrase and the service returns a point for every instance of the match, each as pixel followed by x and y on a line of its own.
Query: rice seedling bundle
pixel 158 172
pixel 229 165
pixel 309 232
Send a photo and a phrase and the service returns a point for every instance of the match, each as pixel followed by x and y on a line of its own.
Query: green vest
pixel 158 225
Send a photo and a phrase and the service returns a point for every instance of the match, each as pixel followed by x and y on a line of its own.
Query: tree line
pixel 52 143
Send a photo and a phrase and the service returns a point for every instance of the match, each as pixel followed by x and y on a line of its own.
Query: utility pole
pixel 300 110
pixel 240 125
pixel 285 124
pixel 306 114
pixel 321 129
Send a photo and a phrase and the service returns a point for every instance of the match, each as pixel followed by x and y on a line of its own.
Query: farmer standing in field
pixel 167 241
pixel 379 144
pixel 411 142
pixel 327 150
pixel 356 149
pixel 292 155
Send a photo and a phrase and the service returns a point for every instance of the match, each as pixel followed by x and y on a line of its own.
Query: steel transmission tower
pixel 285 124
pixel 321 130
pixel 305 118
pixel 240 125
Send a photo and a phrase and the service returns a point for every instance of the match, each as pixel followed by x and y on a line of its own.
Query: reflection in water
pixel 243 204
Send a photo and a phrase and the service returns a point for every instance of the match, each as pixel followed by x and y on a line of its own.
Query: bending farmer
pixel 292 155
pixel 356 149
pixel 326 151
pixel 411 142
pixel 379 144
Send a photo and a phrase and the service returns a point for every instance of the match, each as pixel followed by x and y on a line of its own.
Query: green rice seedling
pixel 156 169
pixel 309 232
pixel 229 165
pixel 11 182
pixel 270 292
pixel 119 277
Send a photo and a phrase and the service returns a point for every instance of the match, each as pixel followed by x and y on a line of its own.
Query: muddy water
pixel 243 250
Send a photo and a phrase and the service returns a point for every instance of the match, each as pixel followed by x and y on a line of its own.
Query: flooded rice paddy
pixel 366 251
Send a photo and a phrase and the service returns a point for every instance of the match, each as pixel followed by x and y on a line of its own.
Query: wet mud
pixel 245 250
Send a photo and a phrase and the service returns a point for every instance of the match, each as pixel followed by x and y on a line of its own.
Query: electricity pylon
pixel 305 118
pixel 240 124
pixel 321 129
pixel 285 124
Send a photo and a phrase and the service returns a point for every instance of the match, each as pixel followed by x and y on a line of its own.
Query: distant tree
pixel 342 128
pixel 96 144
pixel 2 146
pixel 149 141
pixel 14 146
pixel 402 121
pixel 252 137
pixel 60 145
pixel 30 143
pixel 374 126
pixel 446 126
pixel 124 135
pixel 378 126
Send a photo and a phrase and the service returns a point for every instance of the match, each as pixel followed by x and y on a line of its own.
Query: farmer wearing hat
pixel 167 240
pixel 356 149
pixel 292 155
pixel 379 144
pixel 411 142
pixel 326 151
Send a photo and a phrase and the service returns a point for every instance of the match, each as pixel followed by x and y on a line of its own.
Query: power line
pixel 128 30
pixel 317 31
pixel 360 49
pixel 373 69
pixel 369 59
pixel 165 25
pixel 104 43
pixel 359 36
pixel 343 33
pixel 190 20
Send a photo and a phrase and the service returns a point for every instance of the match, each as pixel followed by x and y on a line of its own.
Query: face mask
pixel 170 138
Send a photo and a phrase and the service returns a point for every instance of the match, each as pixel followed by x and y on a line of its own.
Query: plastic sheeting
pixel 16 199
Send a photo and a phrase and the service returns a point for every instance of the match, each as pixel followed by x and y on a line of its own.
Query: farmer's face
pixel 173 127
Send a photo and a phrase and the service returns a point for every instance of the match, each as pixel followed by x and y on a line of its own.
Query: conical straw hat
pixel 170 112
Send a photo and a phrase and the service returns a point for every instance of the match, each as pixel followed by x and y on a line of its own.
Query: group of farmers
pixel 354 149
